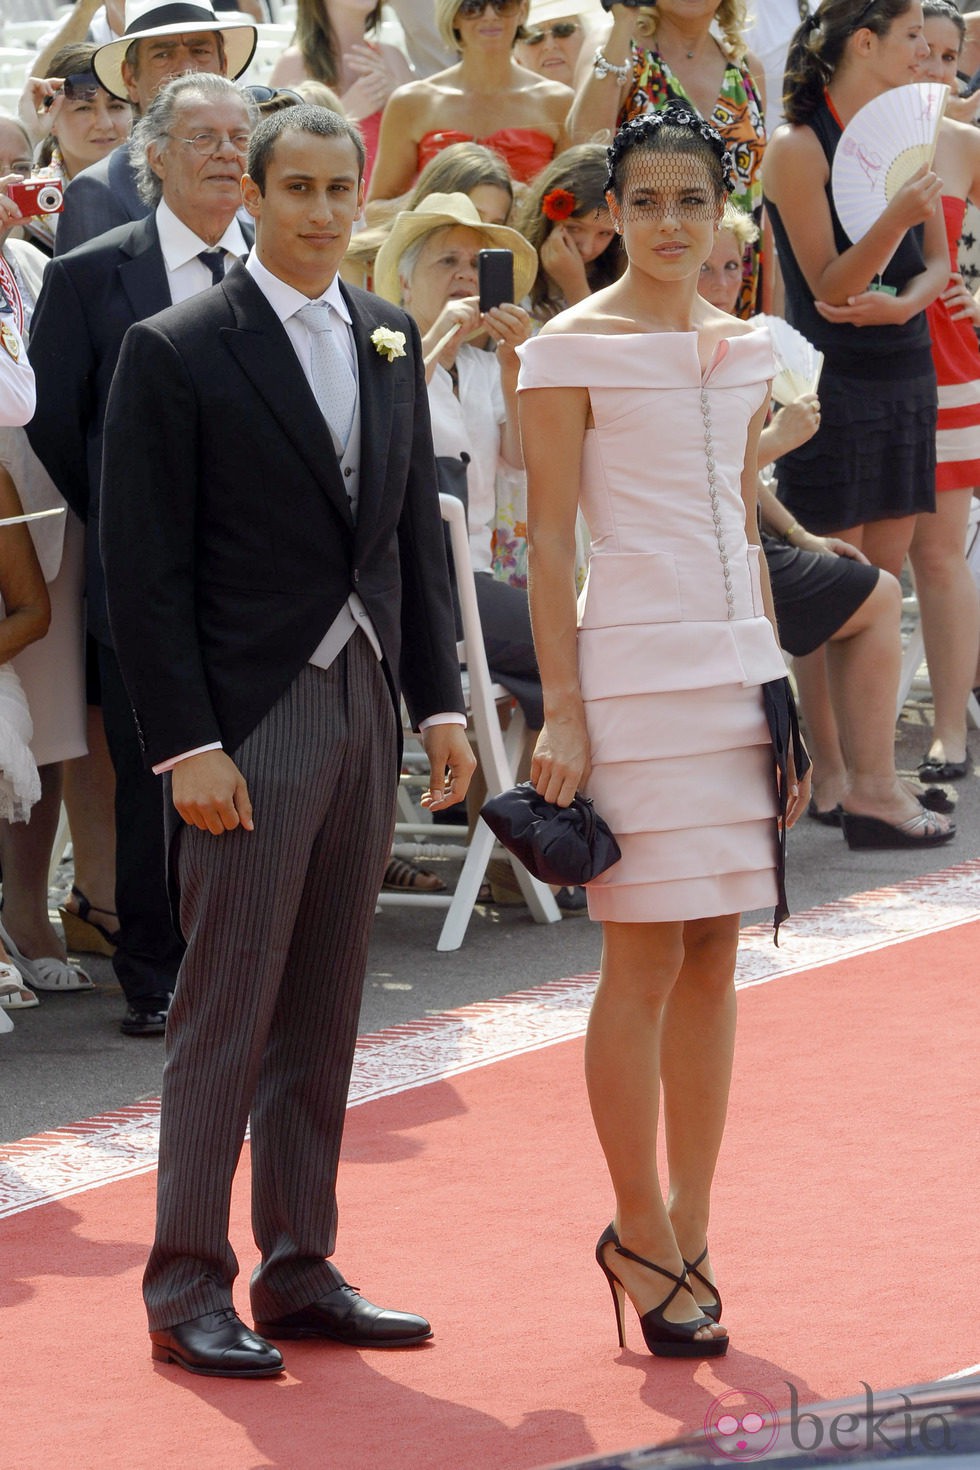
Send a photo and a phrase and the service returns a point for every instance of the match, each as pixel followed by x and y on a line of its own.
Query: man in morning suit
pixel 192 143
pixel 155 48
pixel 276 572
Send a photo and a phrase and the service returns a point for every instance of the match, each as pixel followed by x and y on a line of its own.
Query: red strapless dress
pixel 524 151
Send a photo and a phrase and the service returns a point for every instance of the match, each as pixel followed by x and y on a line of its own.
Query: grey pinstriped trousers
pixel 264 1017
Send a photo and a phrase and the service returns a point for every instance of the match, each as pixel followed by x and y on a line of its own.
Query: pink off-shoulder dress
pixel 673 641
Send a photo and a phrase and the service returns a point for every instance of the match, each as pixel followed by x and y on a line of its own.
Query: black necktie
pixel 215 262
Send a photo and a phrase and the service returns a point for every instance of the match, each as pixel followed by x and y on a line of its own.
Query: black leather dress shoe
pixel 345 1316
pixel 218 1344
pixel 147 1019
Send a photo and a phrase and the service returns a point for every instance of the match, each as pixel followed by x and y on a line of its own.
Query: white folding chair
pixel 914 671
pixel 499 754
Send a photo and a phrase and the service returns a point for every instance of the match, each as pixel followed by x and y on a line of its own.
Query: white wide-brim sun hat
pixel 546 12
pixel 436 212
pixel 148 18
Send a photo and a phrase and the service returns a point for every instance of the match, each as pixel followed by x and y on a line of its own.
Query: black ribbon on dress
pixel 784 732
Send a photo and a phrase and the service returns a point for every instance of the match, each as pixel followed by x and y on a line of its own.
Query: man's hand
pixel 451 765
pixel 210 793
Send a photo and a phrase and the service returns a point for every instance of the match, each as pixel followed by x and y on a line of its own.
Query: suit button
pixel 357 575
pixel 348 471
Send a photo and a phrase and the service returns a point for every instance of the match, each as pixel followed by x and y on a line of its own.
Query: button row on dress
pixel 713 496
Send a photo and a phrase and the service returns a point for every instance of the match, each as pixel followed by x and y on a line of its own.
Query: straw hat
pixel 146 18
pixel 435 212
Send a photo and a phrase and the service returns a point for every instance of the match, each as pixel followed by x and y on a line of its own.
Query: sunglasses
pixel 470 9
pixel 260 95
pixel 560 31
pixel 84 86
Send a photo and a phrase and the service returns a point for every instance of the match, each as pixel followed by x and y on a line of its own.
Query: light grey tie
pixel 333 381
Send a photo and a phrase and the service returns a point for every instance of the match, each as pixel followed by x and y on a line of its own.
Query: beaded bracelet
pixel 793 526
pixel 605 68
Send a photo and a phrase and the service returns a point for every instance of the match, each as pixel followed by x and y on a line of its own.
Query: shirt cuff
pixel 175 760
pixel 451 717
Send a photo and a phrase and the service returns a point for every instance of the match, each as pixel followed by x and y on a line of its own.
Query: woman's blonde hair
pixel 730 18
pixel 739 224
pixel 445 13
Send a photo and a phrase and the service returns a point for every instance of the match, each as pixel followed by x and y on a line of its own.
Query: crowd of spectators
pixel 485 124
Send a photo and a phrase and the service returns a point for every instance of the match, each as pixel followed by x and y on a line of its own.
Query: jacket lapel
pixel 375 394
pixel 265 354
pixel 142 273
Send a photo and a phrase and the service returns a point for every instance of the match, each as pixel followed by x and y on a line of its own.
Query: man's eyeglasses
pixel 470 9
pixel 207 144
pixel 560 31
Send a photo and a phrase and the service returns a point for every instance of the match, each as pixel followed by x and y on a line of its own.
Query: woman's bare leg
pixel 89 794
pixel 950 615
pixel 829 780
pixel 641 964
pixel 696 1067
pixel 25 856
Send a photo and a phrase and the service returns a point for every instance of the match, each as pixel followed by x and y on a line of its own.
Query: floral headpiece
pixel 675 114
pixel 559 204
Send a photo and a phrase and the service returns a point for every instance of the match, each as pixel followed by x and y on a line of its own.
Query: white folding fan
pixel 883 145
pixel 798 362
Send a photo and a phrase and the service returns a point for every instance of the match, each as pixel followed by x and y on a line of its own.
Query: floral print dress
pixel 738 116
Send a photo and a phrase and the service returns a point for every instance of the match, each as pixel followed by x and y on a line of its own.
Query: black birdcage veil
pixel 664 182
pixel 669 161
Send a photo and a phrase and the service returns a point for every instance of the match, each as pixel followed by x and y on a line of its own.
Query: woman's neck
pixel 850 88
pixel 487 71
pixel 659 306
pixel 677 39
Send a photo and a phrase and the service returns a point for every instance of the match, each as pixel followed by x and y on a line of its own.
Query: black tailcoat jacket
pixel 227 537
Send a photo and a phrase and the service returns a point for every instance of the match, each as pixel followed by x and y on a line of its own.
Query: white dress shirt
pixel 180 247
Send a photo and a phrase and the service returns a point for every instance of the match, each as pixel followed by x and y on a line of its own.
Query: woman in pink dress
pixel 643 405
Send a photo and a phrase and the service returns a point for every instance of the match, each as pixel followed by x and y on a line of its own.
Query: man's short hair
pixel 318 121
pixel 154 127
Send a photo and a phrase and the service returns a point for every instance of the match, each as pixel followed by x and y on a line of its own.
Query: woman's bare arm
pixel 794 174
pixel 553 424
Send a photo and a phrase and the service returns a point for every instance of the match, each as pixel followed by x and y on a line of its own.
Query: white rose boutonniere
pixel 390 344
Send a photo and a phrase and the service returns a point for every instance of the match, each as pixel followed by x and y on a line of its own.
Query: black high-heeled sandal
pixel 713 1309
pixel 664 1339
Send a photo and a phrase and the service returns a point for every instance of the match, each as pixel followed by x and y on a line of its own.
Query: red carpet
pixel 845 1215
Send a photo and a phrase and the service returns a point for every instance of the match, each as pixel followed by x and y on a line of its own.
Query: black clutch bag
pixel 565 845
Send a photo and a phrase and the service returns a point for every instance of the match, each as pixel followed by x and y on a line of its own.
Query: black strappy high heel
pixel 713 1309
pixel 664 1339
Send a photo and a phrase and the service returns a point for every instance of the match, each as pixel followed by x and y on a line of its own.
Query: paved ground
pixel 67 1061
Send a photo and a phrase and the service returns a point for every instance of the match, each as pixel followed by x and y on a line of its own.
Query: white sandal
pixel 13 995
pixel 46 973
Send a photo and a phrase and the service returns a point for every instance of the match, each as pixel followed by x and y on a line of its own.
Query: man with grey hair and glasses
pixel 189 151
pixel 161 41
